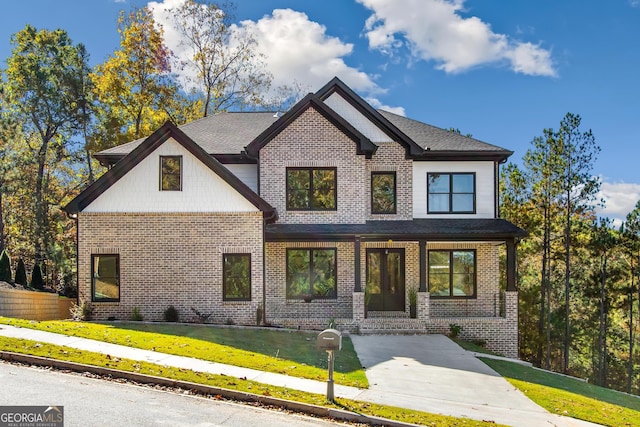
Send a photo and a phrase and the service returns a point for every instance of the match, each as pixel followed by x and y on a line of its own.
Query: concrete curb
pixel 319 411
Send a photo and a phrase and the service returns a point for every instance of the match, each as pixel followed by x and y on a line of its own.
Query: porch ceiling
pixel 484 229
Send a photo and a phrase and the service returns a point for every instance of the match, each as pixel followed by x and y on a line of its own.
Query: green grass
pixel 283 352
pixel 469 346
pixel 96 359
pixel 567 396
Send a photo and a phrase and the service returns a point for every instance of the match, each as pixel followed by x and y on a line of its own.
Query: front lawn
pixel 221 381
pixel 567 396
pixel 284 352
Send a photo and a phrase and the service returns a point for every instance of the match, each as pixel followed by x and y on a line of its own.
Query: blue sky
pixel 500 70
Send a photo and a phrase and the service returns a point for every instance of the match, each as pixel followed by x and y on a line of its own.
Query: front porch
pixel 377 273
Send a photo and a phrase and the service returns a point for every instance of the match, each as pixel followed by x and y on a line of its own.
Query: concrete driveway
pixel 431 373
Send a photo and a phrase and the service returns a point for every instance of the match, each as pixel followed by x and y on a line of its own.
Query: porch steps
pixel 391 323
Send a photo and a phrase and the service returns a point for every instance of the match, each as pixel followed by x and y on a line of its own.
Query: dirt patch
pixel 5 285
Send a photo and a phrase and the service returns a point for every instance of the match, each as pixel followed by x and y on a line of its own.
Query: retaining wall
pixel 32 305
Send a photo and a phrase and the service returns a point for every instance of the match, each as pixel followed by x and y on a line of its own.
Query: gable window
pixel 311 273
pixel 451 193
pixel 236 277
pixel 383 192
pixel 452 273
pixel 311 189
pixel 170 173
pixel 105 278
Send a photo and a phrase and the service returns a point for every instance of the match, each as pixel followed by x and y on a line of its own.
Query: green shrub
pixel 454 330
pixel 81 312
pixel 36 278
pixel 21 274
pixel 5 267
pixel 136 315
pixel 171 314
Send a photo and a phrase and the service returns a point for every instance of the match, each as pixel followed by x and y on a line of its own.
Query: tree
pixel 134 86
pixel 631 239
pixel 541 173
pixel 37 281
pixel 42 75
pixel 577 152
pixel 21 274
pixel 224 64
pixel 5 267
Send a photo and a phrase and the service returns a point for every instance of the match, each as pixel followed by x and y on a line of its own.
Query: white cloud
pixel 380 106
pixel 433 30
pixel 297 50
pixel 620 199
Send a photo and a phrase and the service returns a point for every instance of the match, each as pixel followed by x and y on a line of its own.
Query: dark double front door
pixel 385 279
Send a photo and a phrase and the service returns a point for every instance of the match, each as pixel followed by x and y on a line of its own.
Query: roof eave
pixel 460 155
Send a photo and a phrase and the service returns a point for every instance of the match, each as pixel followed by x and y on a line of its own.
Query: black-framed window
pixel 170 173
pixel 383 192
pixel 311 189
pixel 452 273
pixel 105 278
pixel 451 192
pixel 236 272
pixel 311 273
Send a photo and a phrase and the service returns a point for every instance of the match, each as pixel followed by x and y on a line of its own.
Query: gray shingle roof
pixel 436 139
pixel 222 133
pixel 229 133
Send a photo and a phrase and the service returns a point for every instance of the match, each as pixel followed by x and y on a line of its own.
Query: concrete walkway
pixel 424 372
pixel 432 373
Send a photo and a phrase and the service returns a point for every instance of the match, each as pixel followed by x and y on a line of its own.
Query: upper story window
pixel 311 189
pixel 383 192
pixel 451 193
pixel 452 273
pixel 236 272
pixel 170 173
pixel 105 278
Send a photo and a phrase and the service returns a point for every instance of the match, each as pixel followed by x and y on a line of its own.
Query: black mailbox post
pixel 329 340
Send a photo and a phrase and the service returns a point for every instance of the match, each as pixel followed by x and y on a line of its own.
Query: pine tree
pixel 5 267
pixel 21 274
pixel 36 278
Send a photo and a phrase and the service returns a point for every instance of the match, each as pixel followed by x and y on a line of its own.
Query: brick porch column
pixel 423 306
pixel 358 307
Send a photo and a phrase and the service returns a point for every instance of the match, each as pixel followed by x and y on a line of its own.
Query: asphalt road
pixel 94 402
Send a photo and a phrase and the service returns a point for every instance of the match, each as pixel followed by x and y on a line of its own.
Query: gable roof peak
pixel 149 145
pixel 311 100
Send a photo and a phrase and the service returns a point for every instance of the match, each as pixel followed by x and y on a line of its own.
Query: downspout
pixel 74 216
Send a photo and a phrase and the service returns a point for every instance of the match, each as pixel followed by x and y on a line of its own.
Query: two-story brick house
pixel 333 211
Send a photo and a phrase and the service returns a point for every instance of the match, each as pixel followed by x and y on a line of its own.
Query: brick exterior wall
pixel 499 333
pixel 172 259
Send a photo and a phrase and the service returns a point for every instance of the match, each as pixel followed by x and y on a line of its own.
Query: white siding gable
pixel 356 118
pixel 202 189
pixel 485 187
pixel 247 173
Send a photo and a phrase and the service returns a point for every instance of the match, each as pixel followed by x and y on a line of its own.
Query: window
pixel 170 173
pixel 105 278
pixel 452 273
pixel 451 193
pixel 311 189
pixel 311 272
pixel 237 277
pixel 383 192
